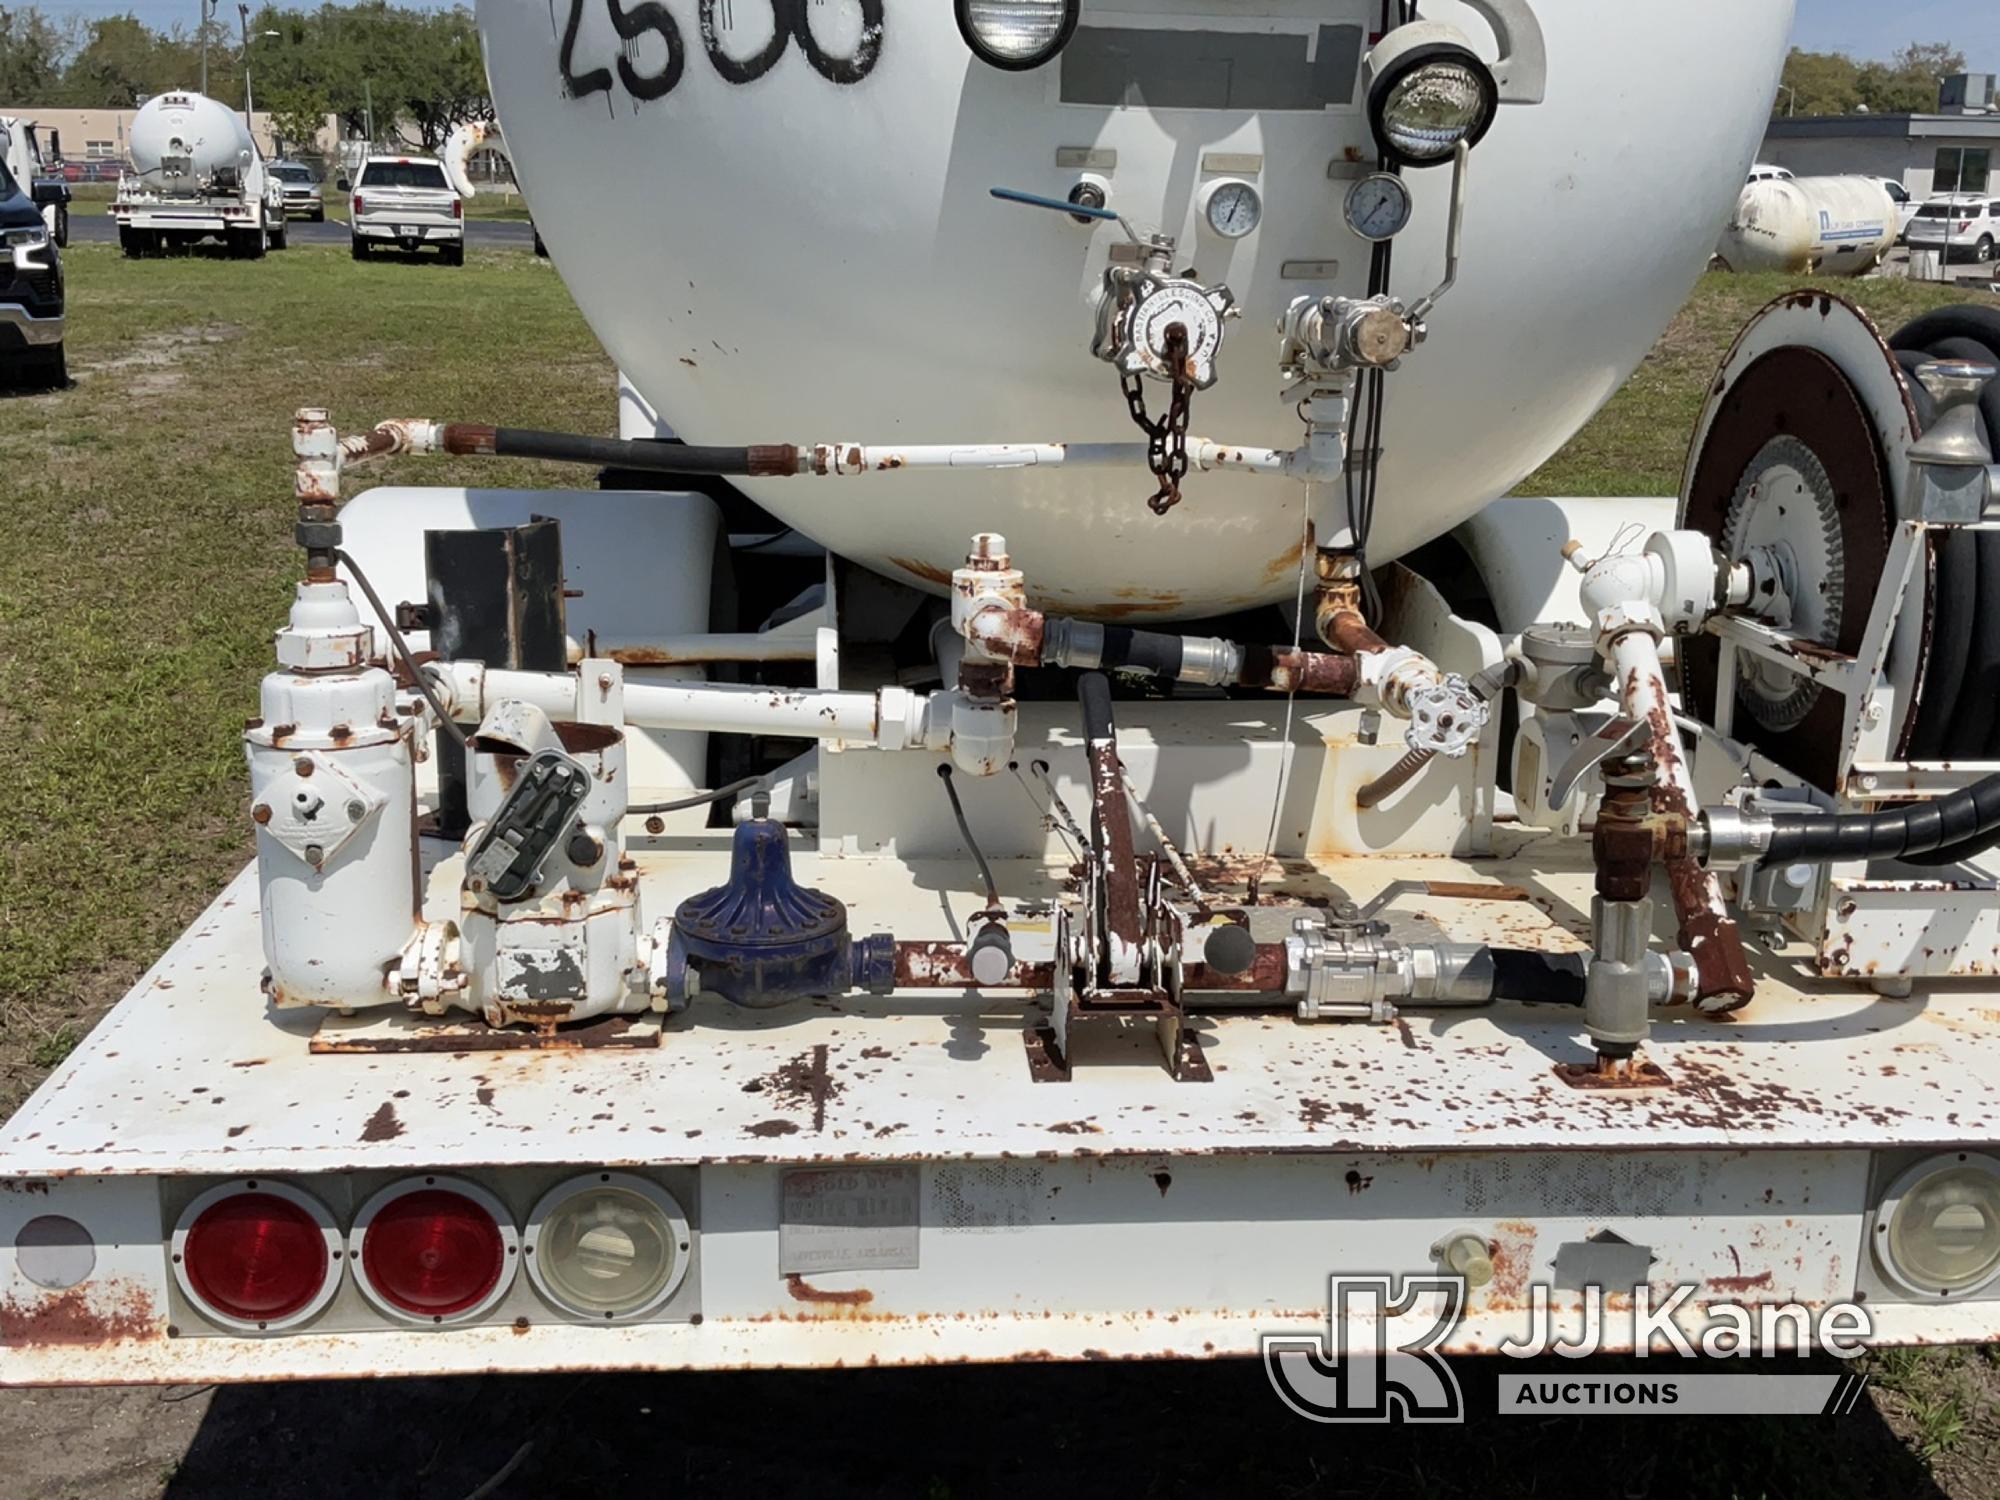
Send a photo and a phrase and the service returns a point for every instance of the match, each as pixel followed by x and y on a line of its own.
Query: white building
pixel 1951 151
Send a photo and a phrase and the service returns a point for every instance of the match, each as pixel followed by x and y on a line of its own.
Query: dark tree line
pixel 416 72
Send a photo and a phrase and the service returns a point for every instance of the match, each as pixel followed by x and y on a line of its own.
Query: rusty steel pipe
pixel 1111 831
pixel 1723 981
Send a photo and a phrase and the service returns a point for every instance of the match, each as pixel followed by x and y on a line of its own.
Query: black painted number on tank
pixel 791 20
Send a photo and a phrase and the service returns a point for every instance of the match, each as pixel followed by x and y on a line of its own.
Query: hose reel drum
pixel 1803 446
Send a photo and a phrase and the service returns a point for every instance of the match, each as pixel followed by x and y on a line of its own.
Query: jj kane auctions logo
pixel 1336 1376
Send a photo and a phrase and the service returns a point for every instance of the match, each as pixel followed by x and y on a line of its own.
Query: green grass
pixel 145 556
pixel 1638 444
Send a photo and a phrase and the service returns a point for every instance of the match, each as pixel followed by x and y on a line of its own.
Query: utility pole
pixel 368 111
pixel 207 15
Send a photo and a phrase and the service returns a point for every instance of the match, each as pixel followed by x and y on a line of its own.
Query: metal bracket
pixel 1616 737
pixel 315 808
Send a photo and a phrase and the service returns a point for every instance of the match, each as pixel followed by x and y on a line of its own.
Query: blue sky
pixel 1866 28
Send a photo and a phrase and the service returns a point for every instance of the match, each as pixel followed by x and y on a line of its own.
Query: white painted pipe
pixel 691 650
pixel 847 459
pixel 890 718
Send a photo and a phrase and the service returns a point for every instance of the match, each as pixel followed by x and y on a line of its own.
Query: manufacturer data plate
pixel 849 1219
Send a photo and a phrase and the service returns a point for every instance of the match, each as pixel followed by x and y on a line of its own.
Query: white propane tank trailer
pixel 1822 226
pixel 196 175
pixel 1060 808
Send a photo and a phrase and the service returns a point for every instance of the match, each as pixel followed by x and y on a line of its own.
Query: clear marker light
pixel 1944 1231
pixel 607 1246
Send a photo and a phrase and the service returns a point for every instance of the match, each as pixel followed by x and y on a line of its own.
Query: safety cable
pixel 698 799
pixel 971 844
pixel 403 653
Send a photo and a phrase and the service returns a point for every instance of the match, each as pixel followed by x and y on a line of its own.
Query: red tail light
pixel 254 1256
pixel 434 1249
pixel 458 208
pixel 359 207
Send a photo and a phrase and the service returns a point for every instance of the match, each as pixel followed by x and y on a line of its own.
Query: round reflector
pixel 610 1246
pixel 254 1255
pixel 433 1250
pixel 1938 1229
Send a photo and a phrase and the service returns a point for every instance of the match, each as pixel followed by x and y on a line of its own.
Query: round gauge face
pixel 1234 210
pixel 1378 207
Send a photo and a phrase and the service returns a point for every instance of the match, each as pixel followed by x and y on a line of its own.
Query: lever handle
pixel 1059 205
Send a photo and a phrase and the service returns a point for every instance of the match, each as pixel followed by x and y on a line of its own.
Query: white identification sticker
pixel 848 1219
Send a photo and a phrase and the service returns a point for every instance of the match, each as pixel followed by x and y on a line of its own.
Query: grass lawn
pixel 146 555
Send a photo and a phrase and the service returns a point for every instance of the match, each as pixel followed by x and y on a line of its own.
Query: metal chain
pixel 1166 438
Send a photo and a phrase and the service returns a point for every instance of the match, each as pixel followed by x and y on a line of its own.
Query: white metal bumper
pixel 38 333
pixel 406 229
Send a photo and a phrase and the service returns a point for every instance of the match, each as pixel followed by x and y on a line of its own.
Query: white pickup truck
pixel 408 202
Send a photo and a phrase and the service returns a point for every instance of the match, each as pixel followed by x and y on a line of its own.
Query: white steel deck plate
pixel 191 1073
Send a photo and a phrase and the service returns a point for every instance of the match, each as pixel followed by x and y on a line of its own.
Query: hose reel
pixel 1804 442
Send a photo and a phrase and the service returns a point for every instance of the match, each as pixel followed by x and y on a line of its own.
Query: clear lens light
pixel 606 1250
pixel 1432 108
pixel 1946 1231
pixel 1016 28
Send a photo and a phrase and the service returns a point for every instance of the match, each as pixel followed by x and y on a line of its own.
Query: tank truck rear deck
pixel 885 1180
pixel 907 1177
pixel 1186 929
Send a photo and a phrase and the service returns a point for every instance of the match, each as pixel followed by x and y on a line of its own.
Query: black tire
pixel 454 255
pixel 1982 253
pixel 358 247
pixel 319 216
pixel 129 242
pixel 62 226
pixel 46 370
pixel 281 237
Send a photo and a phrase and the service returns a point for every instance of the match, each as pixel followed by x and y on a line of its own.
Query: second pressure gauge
pixel 1233 209
pixel 1378 206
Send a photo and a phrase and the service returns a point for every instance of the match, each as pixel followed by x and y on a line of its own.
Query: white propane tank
pixel 183 138
pixel 777 219
pixel 1830 226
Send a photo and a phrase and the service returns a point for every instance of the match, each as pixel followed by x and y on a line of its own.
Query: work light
pixel 1428 92
pixel 1017 34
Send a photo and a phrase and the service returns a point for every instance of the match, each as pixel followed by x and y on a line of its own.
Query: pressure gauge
pixel 1233 209
pixel 1378 206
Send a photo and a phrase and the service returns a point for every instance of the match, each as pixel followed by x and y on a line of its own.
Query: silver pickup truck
pixel 407 202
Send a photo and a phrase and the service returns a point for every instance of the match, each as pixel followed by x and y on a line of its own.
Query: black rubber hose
pixel 1543 978
pixel 652 458
pixel 1142 651
pixel 1093 692
pixel 1966 817
pixel 1962 690
pixel 1959 715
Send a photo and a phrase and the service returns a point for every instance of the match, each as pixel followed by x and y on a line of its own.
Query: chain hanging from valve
pixel 1166 436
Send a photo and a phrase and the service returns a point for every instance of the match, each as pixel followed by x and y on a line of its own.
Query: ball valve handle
pixel 1072 207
